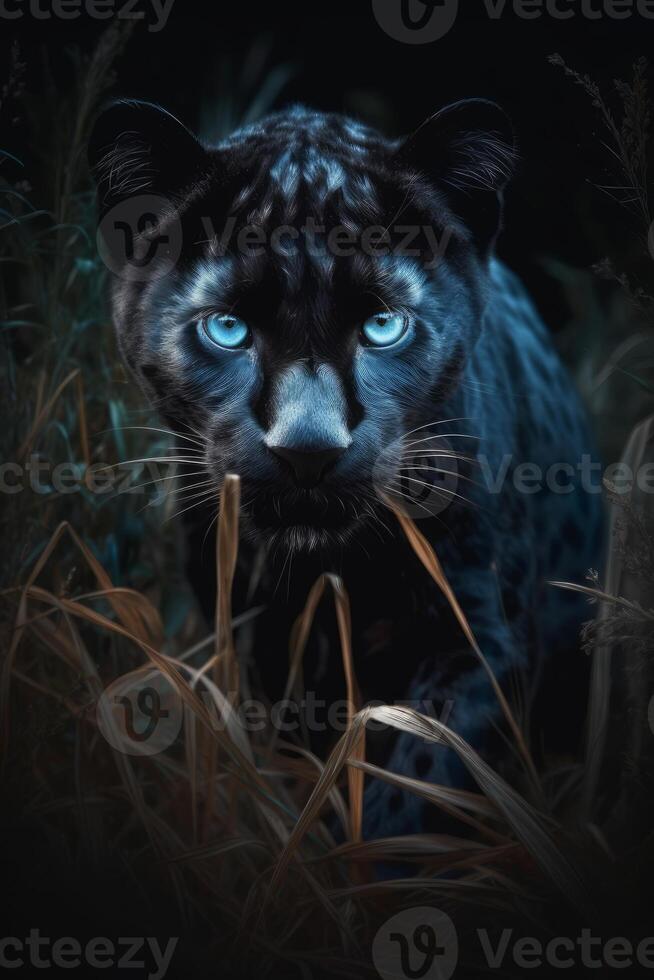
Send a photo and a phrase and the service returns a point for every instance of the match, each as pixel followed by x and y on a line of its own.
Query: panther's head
pixel 302 295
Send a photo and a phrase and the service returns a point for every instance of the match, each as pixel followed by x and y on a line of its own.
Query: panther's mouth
pixel 305 519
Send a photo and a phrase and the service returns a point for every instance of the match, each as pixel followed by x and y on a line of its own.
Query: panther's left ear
pixel 467 149
pixel 138 148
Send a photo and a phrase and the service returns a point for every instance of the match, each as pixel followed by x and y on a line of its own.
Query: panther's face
pixel 326 295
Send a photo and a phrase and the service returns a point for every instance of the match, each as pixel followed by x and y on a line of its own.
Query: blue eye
pixel 384 329
pixel 226 330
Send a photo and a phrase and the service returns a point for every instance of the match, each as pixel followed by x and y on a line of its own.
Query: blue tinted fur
pixel 315 420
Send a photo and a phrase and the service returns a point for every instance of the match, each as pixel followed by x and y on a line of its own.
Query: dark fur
pixel 477 351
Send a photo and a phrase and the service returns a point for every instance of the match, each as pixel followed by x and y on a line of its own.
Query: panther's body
pixel 318 418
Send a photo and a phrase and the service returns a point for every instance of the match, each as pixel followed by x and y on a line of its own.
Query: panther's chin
pixel 303 521
pixel 307 538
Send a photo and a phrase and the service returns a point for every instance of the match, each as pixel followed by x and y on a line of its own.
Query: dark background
pixel 336 57
pixel 213 60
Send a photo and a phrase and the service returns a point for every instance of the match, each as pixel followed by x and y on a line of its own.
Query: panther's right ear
pixel 139 148
pixel 468 149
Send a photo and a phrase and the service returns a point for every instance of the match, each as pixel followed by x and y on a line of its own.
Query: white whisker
pixel 178 493
pixel 203 498
pixel 434 454
pixel 163 479
pixel 438 469
pixel 437 422
pixel 440 435
pixel 393 489
pixel 151 459
pixel 429 486
pixel 149 428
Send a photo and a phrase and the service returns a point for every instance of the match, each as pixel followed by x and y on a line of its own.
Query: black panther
pixel 337 330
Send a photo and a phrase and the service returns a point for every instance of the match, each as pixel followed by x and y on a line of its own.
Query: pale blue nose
pixel 308 468
pixel 308 430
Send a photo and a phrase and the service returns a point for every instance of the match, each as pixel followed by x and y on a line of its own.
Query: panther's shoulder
pixel 510 304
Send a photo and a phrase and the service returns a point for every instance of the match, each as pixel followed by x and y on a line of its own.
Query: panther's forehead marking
pixel 285 173
pixel 305 176
pixel 322 173
pixel 312 165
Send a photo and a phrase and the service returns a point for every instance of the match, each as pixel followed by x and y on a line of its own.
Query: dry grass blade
pixel 526 824
pixel 226 673
pixel 420 848
pixel 140 618
pixel 335 796
pixel 88 670
pixel 224 660
pixel 223 711
pixel 83 424
pixel 172 671
pixel 299 638
pixel 429 559
pixel 43 414
pixel 452 801
pixel 215 850
pixel 476 893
